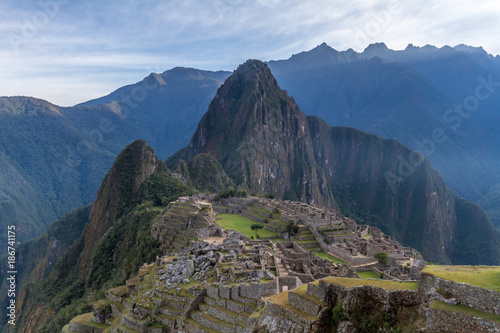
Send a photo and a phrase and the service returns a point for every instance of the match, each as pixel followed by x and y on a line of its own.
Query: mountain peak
pixel 253 128
pixel 252 70
pixel 376 47
pixel 120 187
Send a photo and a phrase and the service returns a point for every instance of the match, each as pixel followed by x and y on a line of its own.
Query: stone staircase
pixel 280 269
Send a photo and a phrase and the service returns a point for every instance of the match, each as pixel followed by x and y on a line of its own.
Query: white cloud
pixel 86 49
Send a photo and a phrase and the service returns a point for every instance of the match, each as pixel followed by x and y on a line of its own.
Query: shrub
pixel 231 192
pixel 292 229
pixel 256 227
pixel 382 257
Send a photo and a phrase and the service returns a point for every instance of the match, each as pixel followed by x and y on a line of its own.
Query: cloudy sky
pixel 69 51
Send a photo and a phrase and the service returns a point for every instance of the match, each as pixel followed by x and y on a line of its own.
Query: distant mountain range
pixel 53 158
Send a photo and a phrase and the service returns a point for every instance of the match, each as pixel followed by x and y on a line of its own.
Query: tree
pixel 255 228
pixel 382 257
pixel 292 229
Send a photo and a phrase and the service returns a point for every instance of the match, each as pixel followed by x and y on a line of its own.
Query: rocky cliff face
pixel 266 144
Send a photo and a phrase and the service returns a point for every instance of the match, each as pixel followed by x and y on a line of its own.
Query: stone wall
pixel 303 304
pixel 319 239
pixel 389 298
pixel 301 253
pixel 277 311
pixel 475 297
pixel 341 254
pixel 269 288
pixel 445 321
pixel 291 282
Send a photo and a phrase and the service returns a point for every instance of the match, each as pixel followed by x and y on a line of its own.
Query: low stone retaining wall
pixel 277 311
pixel 446 321
pixel 303 304
pixel 475 297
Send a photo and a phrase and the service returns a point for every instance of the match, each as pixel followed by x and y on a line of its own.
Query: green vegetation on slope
pixel 204 173
pixel 368 275
pixel 117 251
pixel 476 241
pixel 491 205
pixel 36 258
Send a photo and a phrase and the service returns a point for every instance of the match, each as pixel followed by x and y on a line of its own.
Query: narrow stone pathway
pixel 280 269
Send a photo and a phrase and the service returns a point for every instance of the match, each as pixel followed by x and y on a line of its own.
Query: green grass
pixel 388 285
pixel 368 275
pixel 242 224
pixel 481 276
pixel 325 255
pixel 301 291
pixel 86 319
pixel 260 209
pixel 194 323
pixel 282 300
pixel 66 329
pixel 463 309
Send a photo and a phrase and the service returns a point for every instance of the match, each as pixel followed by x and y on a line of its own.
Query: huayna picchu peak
pixel 260 137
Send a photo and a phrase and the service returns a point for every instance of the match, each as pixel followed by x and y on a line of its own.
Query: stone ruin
pixel 326 230
pixel 183 222
pixel 211 279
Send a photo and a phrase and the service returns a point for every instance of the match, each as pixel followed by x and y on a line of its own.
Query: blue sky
pixel 69 51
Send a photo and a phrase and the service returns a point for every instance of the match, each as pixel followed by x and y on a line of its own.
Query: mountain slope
pixel 120 221
pixel 168 105
pixel 203 173
pixel 266 144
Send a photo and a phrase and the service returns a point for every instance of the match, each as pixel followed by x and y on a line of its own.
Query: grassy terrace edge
pixel 465 310
pixel 481 276
pixel 385 284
